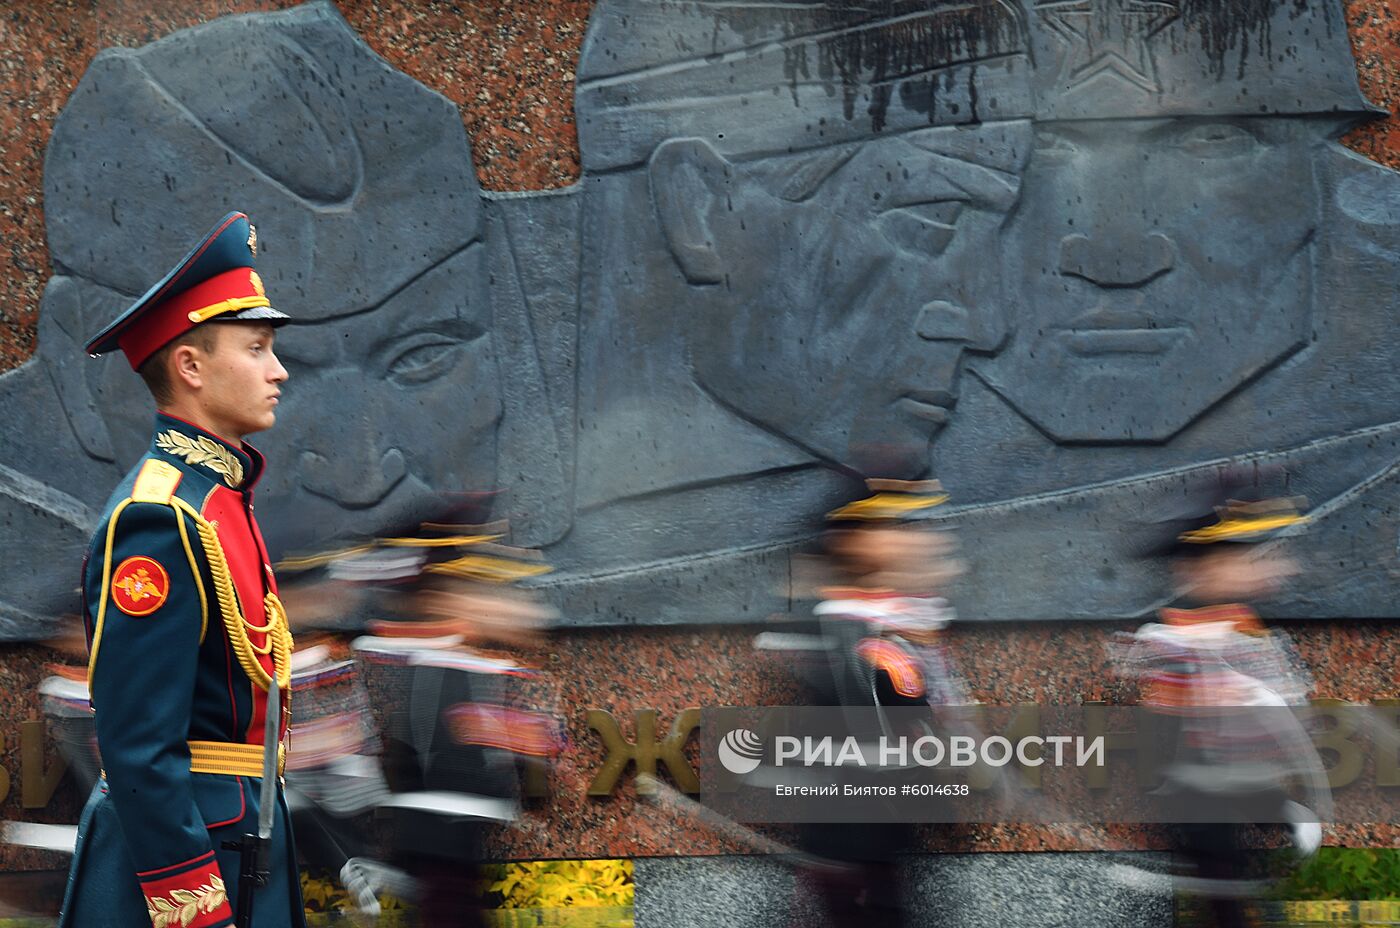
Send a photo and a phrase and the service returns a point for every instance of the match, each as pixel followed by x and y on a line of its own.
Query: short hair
pixel 155 370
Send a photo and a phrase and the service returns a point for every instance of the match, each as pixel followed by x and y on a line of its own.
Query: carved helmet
pixel 764 78
pixel 1124 59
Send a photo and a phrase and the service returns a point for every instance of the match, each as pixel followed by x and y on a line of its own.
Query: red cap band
pixel 240 288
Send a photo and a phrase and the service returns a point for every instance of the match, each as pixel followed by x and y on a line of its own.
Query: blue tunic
pixel 184 630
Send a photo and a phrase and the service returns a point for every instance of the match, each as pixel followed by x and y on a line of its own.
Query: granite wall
pixel 510 69
pixel 624 671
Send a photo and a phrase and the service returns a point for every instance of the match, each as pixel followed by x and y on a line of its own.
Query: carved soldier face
pixel 847 283
pixel 1160 265
pixel 371 233
pixel 388 409
pixel 384 410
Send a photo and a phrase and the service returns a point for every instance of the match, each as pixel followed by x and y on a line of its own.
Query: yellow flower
pixel 561 883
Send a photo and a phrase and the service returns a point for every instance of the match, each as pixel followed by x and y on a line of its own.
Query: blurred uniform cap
pixel 891 502
pixel 1235 509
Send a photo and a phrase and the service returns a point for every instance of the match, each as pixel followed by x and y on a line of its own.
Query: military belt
pixel 231 758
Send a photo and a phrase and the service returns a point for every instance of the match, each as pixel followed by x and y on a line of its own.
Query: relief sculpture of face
pixel 856 279
pixel 830 180
pixel 372 234
pixel 1161 257
pixel 383 411
pixel 387 410
pixel 1158 265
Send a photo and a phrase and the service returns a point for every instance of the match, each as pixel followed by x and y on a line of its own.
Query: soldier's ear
pixel 185 366
pixel 689 179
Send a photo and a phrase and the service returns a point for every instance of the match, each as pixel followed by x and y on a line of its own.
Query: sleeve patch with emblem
pixel 140 586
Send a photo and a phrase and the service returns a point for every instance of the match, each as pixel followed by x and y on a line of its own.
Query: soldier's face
pixel 907 558
pixel 857 279
pixel 1158 265
pixel 241 380
pixel 1233 573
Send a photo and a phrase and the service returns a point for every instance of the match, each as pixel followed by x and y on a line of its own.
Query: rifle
pixel 254 871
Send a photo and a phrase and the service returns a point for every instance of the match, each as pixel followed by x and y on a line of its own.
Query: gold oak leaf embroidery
pixel 184 905
pixel 202 451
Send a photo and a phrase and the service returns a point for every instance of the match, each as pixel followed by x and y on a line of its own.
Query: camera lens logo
pixel 741 751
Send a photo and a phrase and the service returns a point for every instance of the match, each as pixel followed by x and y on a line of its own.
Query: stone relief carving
pixel 1063 254
pixel 1186 282
pixel 809 194
pixel 373 233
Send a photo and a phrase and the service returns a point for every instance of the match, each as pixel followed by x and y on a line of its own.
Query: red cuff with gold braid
pixel 187 895
pixel 906 675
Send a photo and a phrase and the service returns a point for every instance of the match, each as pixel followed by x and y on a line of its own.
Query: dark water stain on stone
pixel 869 49
pixel 1241 28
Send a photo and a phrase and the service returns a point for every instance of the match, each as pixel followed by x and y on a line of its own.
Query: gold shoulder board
pixel 156 482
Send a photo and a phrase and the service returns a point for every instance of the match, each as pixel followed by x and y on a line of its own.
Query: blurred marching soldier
pixel 185 630
pixel 1209 671
pixel 67 708
pixel 333 782
pixel 457 730
pixel 880 644
pixel 888 570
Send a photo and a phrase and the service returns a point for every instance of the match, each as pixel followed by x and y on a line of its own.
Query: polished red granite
pixel 508 66
pixel 622 671
pixel 21 670
pixel 1374 26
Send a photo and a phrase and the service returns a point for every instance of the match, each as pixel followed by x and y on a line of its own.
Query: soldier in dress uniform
pixel 185 629
pixel 458 729
pixel 881 624
pixel 1209 669
pixel 461 723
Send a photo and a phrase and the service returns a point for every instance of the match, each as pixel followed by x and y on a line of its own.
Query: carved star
pixel 1109 36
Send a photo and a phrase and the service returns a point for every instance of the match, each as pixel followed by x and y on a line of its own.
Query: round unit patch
pixel 140 586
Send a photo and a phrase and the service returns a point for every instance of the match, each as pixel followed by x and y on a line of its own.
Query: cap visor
pixel 256 314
